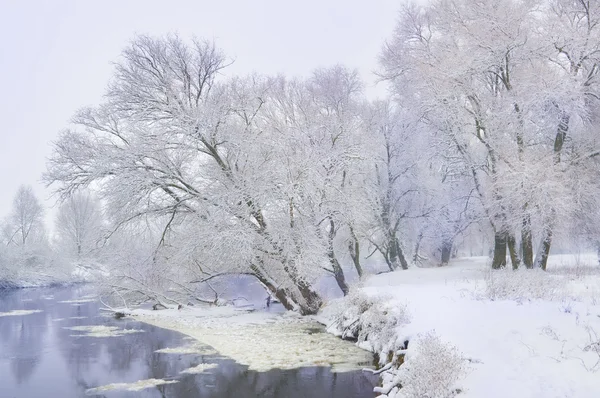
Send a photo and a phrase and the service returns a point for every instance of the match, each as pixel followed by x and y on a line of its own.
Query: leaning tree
pixel 175 144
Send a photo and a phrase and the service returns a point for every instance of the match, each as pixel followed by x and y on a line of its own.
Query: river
pixel 55 342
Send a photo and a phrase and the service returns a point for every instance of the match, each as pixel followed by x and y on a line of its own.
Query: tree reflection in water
pixel 39 357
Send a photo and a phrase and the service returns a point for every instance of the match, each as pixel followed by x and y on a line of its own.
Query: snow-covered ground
pixel 460 330
pixel 476 333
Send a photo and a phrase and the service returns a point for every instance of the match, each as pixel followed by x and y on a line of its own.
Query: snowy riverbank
pixel 463 330
pixel 460 330
pixel 38 276
pixel 37 281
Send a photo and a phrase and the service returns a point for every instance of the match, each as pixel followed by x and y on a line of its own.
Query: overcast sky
pixel 55 56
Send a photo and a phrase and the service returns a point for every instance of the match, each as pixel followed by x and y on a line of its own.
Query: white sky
pixel 55 56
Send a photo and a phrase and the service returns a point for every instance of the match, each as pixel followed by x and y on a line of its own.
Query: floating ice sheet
pixel 19 312
pixel 78 301
pixel 136 386
pixel 201 368
pixel 101 331
pixel 283 342
pixel 195 349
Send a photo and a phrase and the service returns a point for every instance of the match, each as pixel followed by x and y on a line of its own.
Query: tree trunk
pixel 400 255
pixel 417 247
pixel 312 301
pixel 446 251
pixel 309 301
pixel 341 280
pixel 527 241
pixel 354 249
pixel 499 260
pixel 526 238
pixel 392 254
pixel 280 294
pixel 512 250
pixel 391 266
pixel 541 258
pixel 338 272
pixel 561 135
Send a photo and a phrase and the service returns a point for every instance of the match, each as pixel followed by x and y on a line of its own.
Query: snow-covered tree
pixel 504 93
pixel 25 256
pixel 571 36
pixel 79 225
pixel 206 161
pixel 25 224
pixel 394 190
pixel 320 135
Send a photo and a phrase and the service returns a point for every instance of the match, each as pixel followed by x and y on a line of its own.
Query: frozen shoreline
pixel 261 340
pixel 10 285
pixel 458 330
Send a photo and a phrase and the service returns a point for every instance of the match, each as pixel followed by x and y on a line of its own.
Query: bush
pixel 522 284
pixel 422 367
pixel 431 369
pixel 366 320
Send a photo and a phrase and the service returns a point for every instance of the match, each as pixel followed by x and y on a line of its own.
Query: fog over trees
pixel 487 143
pixel 79 226
pixel 25 224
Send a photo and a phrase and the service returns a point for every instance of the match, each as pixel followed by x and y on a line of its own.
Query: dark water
pixel 40 358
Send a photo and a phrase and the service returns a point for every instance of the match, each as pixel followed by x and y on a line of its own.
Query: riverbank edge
pixel 280 354
pixel 361 321
pixel 371 324
pixel 10 285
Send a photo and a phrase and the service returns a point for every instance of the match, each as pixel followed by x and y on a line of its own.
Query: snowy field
pixel 474 333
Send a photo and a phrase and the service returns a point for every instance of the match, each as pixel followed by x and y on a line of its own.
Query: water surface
pixel 42 356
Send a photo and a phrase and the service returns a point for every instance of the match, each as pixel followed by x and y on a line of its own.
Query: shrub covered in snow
pixel 559 284
pixel 371 322
pixel 422 366
pixel 431 369
pixel 522 284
